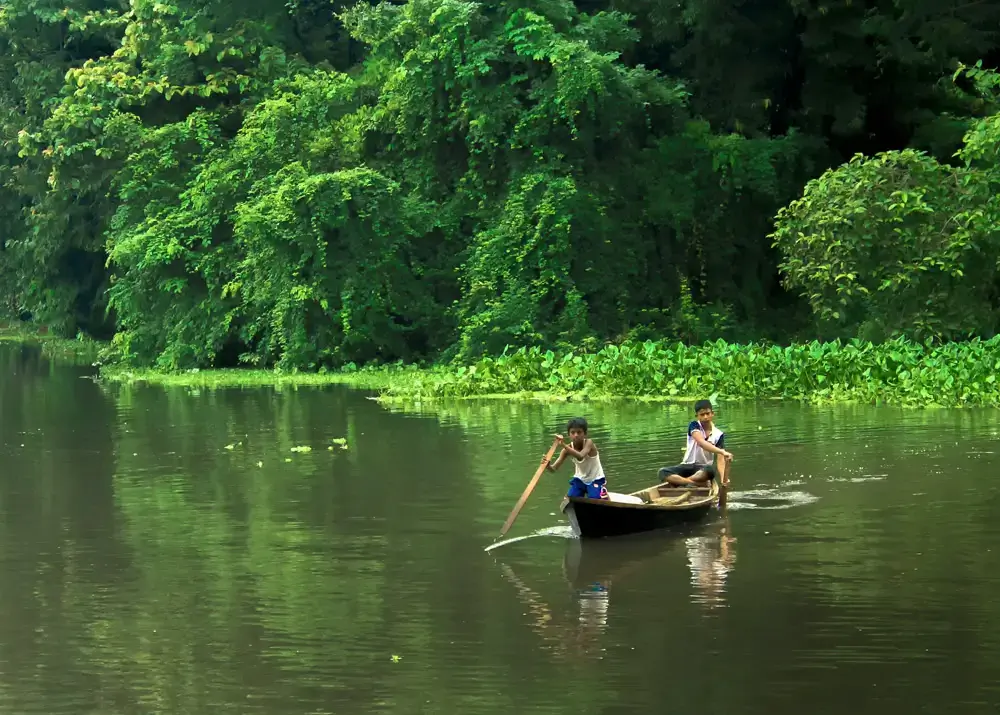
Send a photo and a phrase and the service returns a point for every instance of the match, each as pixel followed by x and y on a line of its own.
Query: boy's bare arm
pixel 588 449
pixel 553 466
pixel 699 437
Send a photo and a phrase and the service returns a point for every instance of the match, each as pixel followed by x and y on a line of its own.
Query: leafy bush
pixel 901 243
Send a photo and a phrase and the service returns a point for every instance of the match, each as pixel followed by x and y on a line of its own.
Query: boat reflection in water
pixel 592 567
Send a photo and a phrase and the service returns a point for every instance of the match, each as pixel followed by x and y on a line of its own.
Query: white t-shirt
pixel 694 453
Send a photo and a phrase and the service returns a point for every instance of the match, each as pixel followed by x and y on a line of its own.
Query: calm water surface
pixel 165 551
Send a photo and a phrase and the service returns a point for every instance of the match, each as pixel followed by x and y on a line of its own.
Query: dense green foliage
pixel 902 244
pixel 311 183
pixel 895 372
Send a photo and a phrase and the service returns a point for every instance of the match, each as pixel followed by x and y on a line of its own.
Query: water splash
pixel 563 531
pixel 857 480
pixel 776 498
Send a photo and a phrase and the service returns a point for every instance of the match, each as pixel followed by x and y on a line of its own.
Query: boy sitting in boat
pixel 588 478
pixel 704 439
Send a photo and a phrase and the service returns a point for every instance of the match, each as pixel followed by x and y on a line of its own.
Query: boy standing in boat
pixel 588 476
pixel 704 440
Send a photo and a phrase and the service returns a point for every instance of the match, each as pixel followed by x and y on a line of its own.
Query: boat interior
pixel 666 495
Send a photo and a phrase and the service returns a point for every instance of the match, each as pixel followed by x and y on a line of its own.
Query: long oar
pixel 529 488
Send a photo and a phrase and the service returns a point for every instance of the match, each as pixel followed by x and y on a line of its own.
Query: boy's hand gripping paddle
pixel 528 489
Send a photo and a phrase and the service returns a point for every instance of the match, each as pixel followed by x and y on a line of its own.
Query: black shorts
pixel 688 470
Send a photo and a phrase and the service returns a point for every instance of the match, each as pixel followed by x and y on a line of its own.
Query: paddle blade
pixel 498 544
pixel 723 476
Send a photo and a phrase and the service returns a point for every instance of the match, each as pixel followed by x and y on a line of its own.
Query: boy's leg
pixel 680 475
pixel 598 489
pixel 705 474
pixel 576 488
pixel 665 472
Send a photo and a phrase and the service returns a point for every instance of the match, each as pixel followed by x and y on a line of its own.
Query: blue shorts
pixel 594 490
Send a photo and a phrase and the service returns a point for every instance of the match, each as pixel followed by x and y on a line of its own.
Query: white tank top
pixel 588 469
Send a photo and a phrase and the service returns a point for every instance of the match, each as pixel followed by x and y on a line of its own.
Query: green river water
pixel 147 568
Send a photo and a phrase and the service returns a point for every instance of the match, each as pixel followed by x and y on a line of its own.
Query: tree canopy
pixel 307 184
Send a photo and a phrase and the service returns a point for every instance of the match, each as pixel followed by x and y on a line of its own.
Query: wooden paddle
pixel 722 468
pixel 528 489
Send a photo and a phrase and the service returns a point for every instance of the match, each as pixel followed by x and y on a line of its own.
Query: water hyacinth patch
pixel 898 371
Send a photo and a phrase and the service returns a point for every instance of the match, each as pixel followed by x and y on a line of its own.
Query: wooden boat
pixel 657 507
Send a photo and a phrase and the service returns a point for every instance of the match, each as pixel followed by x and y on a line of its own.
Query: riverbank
pixel 898 372
pixel 397 385
pixel 376 379
pixel 79 350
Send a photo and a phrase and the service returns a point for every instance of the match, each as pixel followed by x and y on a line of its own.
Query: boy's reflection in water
pixel 593 604
pixel 591 569
pixel 711 558
pixel 566 638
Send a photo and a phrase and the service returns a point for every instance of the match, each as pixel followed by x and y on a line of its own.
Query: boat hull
pixel 598 519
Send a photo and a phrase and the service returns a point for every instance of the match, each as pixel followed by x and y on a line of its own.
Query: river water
pixel 166 551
